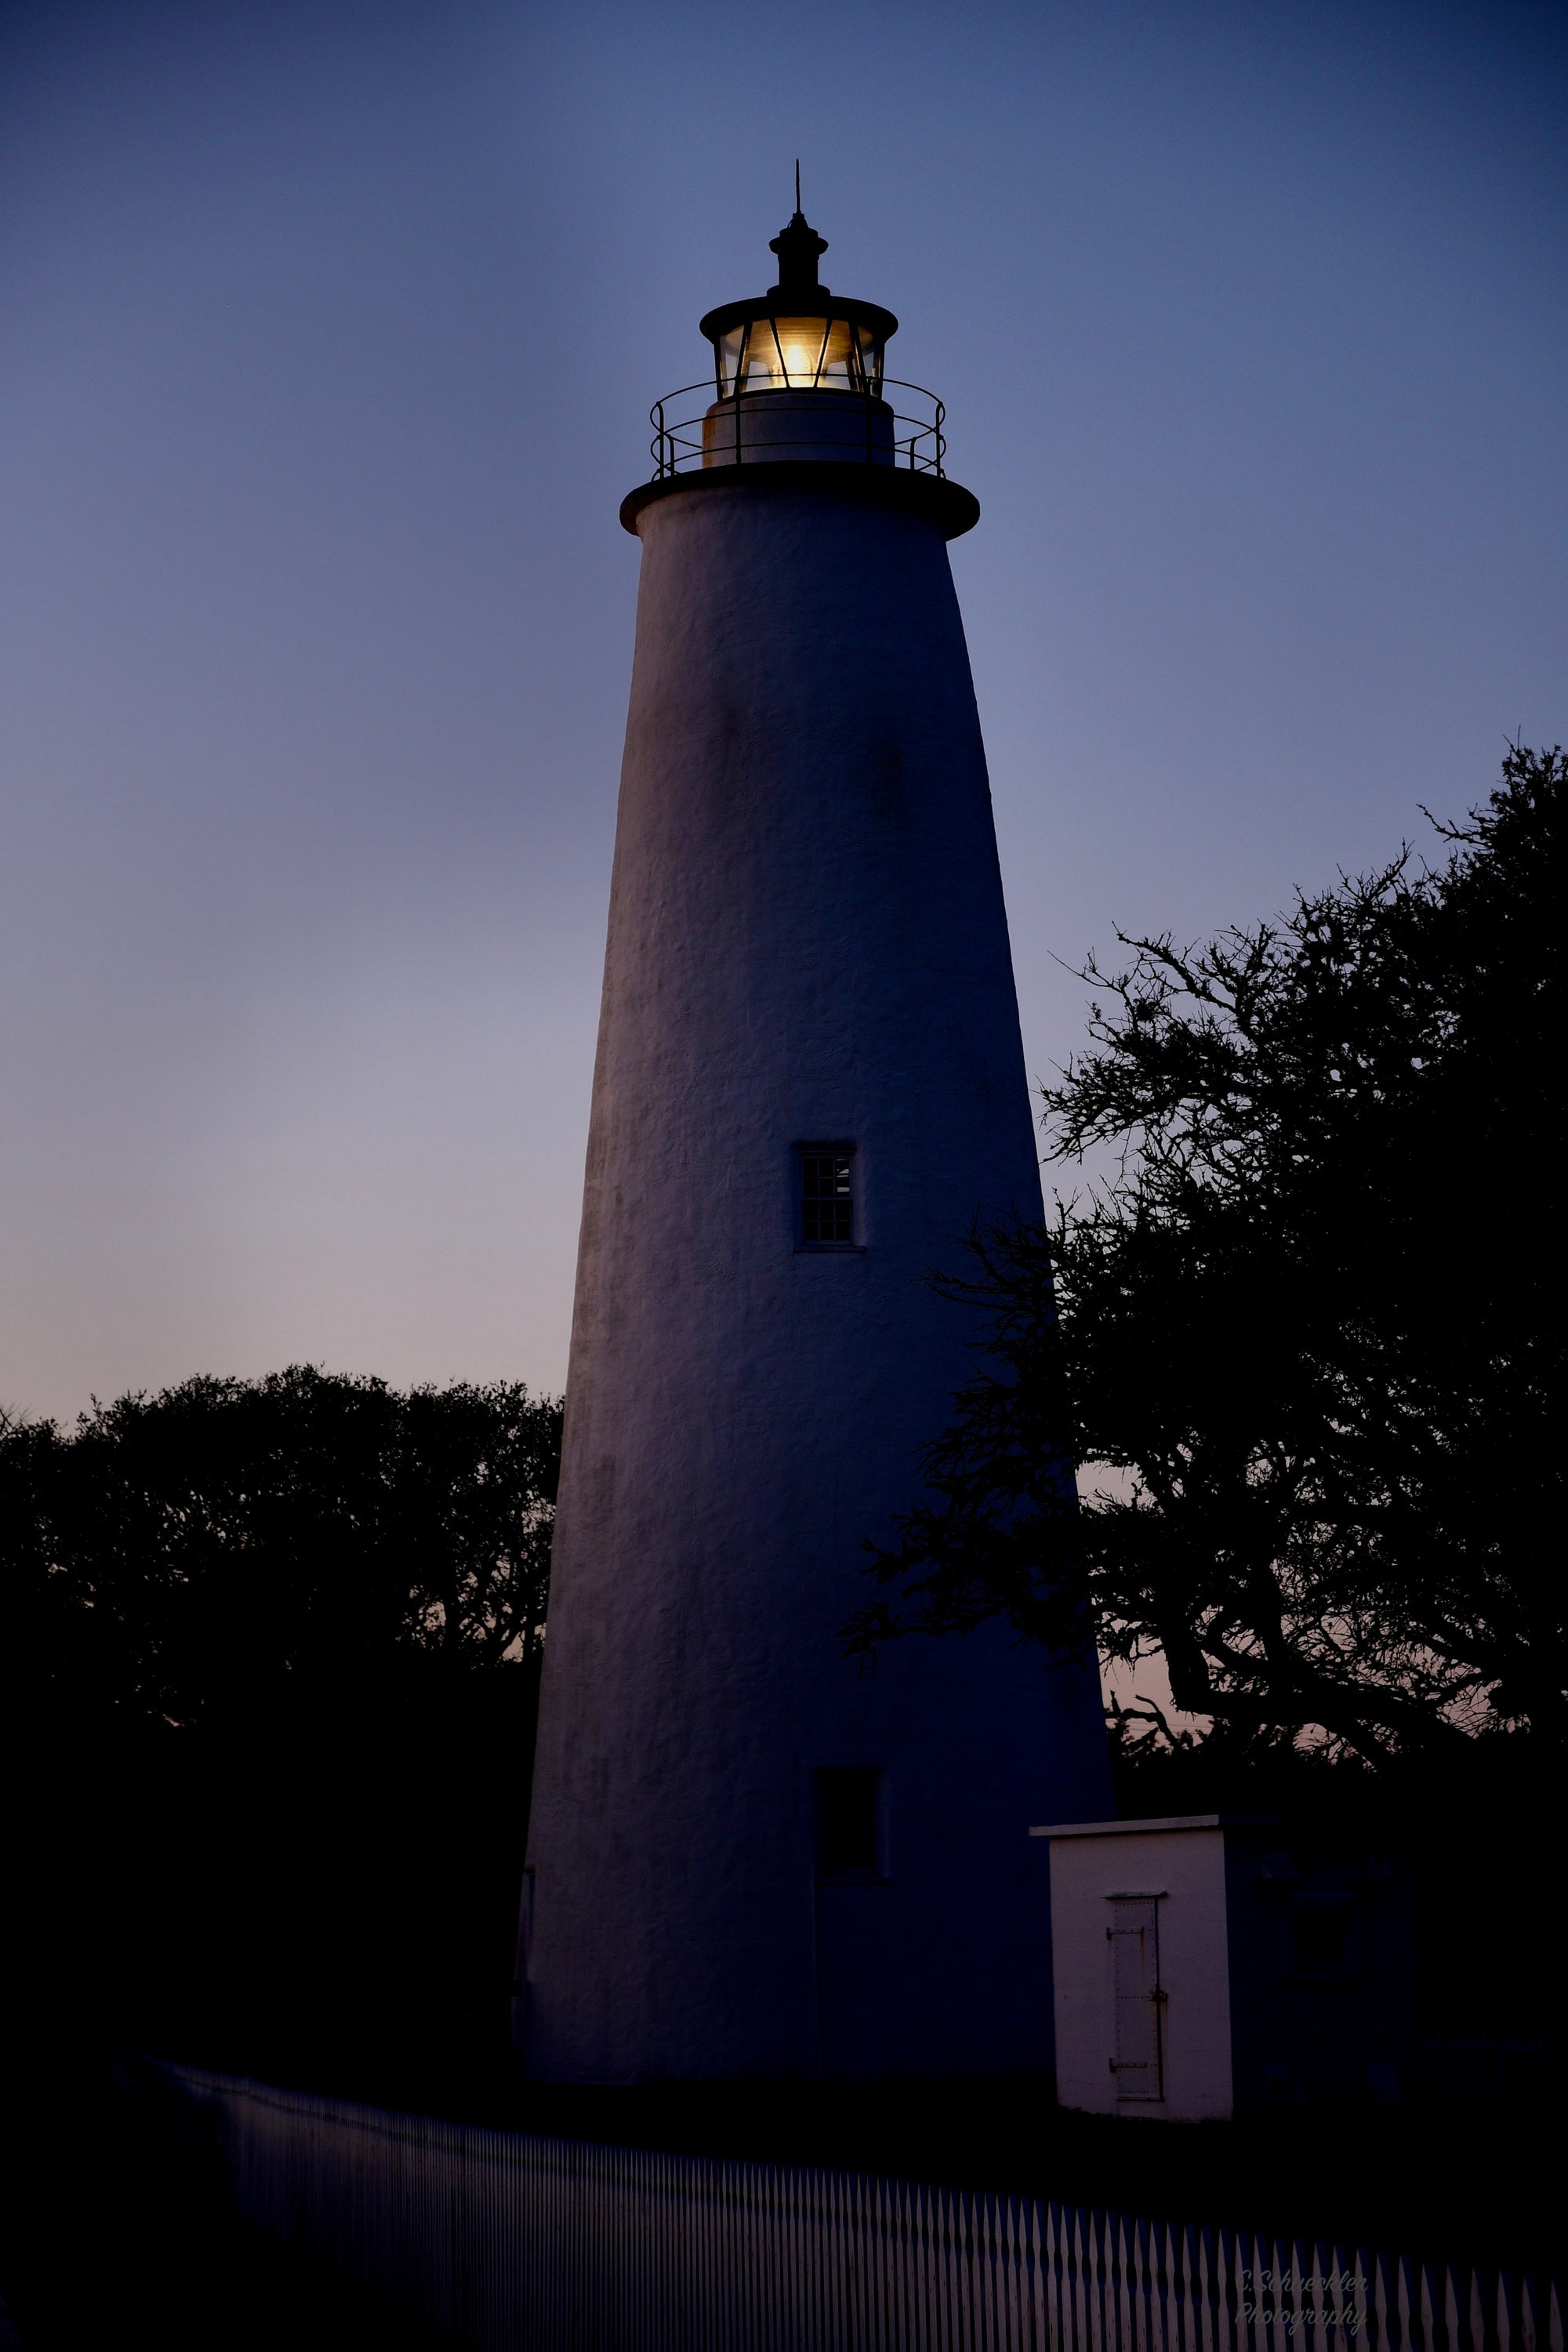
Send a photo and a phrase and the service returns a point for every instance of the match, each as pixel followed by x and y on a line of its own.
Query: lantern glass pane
pixel 730 347
pixel 793 354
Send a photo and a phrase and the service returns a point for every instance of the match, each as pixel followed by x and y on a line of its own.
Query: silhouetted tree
pixel 268 1667
pixel 1311 1320
pixel 176 1556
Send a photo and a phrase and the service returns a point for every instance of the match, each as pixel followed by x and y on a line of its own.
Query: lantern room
pixel 799 377
pixel 799 336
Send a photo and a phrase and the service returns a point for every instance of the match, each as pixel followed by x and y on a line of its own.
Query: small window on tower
pixel 826 1195
pixel 850 1825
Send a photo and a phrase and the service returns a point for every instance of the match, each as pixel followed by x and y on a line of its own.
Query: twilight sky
pixel 326 337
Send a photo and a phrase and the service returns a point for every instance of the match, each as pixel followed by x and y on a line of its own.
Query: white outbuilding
pixel 1204 1968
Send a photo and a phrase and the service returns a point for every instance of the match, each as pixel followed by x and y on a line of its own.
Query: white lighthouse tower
pixel 750 1857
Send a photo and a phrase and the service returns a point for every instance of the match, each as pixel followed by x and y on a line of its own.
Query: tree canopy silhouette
pixel 1310 1319
pixel 182 1556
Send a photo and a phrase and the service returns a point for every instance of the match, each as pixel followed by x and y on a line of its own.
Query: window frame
pixel 879 1873
pixel 838 1148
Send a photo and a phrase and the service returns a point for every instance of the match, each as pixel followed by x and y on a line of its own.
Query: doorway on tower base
pixel 851 1825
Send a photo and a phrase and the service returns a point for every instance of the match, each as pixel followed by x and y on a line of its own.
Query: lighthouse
pixel 751 1856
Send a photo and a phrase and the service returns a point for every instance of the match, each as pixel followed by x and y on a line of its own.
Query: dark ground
pixel 334 1908
pixel 1453 2185
pixel 113 2233
pixel 112 2230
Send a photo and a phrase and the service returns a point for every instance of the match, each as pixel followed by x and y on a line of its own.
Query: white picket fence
pixel 521 2245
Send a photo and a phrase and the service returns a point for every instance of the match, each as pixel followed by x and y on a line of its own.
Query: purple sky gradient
pixel 329 336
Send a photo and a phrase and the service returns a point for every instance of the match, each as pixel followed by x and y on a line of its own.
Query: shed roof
pixel 1167 1821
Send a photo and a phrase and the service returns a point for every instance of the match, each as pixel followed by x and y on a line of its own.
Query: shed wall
pixel 1187 1869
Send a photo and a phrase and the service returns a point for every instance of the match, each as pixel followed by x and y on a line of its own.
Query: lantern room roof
pixel 799 289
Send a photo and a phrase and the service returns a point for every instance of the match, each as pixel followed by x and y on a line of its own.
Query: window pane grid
pixel 827 1203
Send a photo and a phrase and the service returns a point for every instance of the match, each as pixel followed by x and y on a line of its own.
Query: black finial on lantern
pixel 798 247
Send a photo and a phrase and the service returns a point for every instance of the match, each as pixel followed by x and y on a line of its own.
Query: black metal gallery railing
pixel 692 429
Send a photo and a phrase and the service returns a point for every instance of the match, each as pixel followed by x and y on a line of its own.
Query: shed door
pixel 1136 1998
